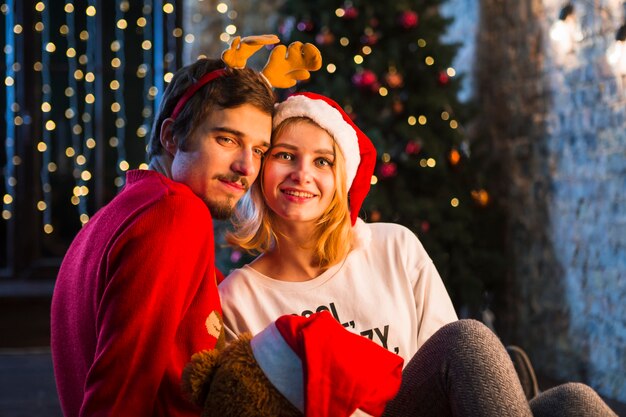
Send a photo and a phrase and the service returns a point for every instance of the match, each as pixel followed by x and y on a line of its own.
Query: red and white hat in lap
pixel 325 370
pixel 357 149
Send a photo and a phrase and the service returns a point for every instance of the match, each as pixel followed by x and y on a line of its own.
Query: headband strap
pixel 206 78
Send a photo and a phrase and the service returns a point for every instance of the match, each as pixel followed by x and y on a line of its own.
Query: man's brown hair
pixel 235 88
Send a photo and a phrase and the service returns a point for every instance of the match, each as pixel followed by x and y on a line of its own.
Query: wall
pixel 556 125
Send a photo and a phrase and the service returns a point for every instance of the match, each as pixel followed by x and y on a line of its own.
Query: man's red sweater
pixel 135 297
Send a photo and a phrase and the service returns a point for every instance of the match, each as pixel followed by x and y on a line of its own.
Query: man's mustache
pixel 235 178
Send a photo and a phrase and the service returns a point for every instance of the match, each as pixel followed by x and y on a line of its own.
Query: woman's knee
pixel 468 333
pixel 575 391
pixel 572 398
pixel 466 340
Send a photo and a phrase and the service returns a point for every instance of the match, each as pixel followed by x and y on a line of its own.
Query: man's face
pixel 223 156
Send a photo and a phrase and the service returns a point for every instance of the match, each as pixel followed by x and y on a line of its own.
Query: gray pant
pixel 464 370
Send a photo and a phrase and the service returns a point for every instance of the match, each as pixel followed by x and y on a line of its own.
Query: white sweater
pixel 387 290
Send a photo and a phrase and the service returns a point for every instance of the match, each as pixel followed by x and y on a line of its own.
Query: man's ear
pixel 168 140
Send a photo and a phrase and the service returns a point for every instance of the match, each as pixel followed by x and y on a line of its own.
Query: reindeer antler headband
pixel 285 65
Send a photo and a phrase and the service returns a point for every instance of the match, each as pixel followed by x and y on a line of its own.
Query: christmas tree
pixel 387 66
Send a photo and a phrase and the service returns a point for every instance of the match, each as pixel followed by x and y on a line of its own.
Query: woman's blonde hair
pixel 254 222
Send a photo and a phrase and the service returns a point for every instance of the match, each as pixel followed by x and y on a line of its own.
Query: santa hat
pixel 323 369
pixel 357 149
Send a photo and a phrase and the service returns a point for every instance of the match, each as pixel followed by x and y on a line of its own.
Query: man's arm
pixel 156 267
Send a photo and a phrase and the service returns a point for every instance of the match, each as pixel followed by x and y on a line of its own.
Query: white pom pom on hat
pixel 356 147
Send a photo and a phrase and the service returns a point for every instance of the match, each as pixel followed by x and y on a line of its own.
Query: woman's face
pixel 298 177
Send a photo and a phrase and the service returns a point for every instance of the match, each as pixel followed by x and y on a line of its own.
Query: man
pixel 136 294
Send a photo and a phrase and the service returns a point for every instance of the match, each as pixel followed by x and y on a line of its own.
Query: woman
pixel 383 285
pixel 375 279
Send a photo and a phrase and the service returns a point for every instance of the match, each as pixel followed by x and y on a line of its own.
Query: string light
pixel 70 141
pixel 170 55
pixel 158 82
pixel 88 141
pixel 49 124
pixel 73 112
pixel 9 143
pixel 145 70
pixel 118 107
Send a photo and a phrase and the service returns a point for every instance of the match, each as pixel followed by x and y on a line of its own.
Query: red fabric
pixel 131 300
pixel 363 179
pixel 342 371
pixel 219 276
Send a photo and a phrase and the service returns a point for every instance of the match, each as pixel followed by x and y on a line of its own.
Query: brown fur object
pixel 230 383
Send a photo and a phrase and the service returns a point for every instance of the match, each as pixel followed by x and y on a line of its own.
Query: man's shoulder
pixel 148 194
pixel 146 182
pixel 148 188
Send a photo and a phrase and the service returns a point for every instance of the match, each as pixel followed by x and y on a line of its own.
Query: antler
pixel 243 48
pixel 285 65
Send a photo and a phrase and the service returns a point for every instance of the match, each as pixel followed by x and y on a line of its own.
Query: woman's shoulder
pixel 392 236
pixel 380 230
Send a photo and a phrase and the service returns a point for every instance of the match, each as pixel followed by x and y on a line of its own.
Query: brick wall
pixel 556 124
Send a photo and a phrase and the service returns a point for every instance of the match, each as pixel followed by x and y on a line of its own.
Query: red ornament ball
pixel 365 79
pixel 443 78
pixel 350 13
pixel 397 106
pixel 388 170
pixel 235 256
pixel 394 79
pixel 325 37
pixel 369 39
pixel 305 26
pixel 413 147
pixel 408 19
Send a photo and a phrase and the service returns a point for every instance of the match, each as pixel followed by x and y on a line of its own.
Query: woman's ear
pixel 168 140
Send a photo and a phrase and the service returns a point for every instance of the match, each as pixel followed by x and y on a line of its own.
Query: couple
pixel 136 295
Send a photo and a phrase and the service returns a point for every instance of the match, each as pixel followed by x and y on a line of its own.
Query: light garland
pixel 144 72
pixel 170 63
pixel 230 29
pixel 74 131
pixel 117 85
pixel 88 139
pixel 79 159
pixel 10 106
pixel 157 75
pixel 45 146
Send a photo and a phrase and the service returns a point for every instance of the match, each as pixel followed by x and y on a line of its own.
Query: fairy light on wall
pixel 230 29
pixel 45 145
pixel 117 85
pixel 10 181
pixel 76 151
pixel 88 141
pixel 159 83
pixel 170 32
pixel 144 71
pixel 69 63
